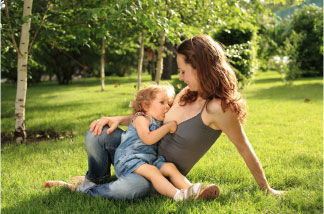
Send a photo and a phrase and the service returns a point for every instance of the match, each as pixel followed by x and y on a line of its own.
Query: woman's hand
pixel 275 192
pixel 97 125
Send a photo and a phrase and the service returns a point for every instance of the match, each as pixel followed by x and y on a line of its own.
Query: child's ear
pixel 145 107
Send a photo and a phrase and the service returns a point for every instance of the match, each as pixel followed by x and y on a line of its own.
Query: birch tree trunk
pixel 160 58
pixel 140 62
pixel 20 124
pixel 103 63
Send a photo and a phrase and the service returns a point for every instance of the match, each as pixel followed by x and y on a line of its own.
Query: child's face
pixel 159 106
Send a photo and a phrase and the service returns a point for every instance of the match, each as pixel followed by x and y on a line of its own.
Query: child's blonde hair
pixel 145 95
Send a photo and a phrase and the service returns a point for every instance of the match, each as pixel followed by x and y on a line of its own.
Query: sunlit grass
pixel 285 131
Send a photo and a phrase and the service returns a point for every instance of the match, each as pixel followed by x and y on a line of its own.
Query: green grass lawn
pixel 285 131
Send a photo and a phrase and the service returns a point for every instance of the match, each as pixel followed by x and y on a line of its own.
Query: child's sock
pixel 179 196
pixel 188 194
pixel 196 188
pixel 176 196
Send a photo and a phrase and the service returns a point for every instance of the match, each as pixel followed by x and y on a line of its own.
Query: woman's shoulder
pixel 214 108
pixel 217 118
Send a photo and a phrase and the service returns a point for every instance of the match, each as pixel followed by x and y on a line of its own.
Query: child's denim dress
pixel 133 152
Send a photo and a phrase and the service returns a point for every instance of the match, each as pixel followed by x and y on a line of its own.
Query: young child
pixel 137 152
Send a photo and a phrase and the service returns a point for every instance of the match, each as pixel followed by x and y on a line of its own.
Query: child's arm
pixel 142 123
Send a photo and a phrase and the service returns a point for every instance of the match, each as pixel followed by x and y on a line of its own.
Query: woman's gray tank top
pixel 188 144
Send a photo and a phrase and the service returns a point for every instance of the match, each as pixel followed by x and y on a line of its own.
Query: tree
pixel 103 63
pixel 72 37
pixel 140 62
pixel 22 52
pixel 159 68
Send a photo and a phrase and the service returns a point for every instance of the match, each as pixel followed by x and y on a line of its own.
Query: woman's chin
pixel 192 89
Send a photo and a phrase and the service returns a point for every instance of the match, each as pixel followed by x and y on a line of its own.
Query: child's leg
pixel 49 184
pixel 177 179
pixel 160 183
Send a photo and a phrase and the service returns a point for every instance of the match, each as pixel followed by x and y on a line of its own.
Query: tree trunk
pixel 160 58
pixel 103 63
pixel 20 125
pixel 168 62
pixel 140 62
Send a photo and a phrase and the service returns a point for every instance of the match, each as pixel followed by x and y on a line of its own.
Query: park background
pixel 86 59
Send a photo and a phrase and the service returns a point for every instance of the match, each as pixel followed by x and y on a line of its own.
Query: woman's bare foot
pixel 77 180
pixel 49 184
pixel 209 192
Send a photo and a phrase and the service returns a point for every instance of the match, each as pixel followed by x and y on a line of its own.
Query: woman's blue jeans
pixel 101 150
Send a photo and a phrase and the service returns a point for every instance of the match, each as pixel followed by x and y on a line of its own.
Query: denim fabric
pixel 124 188
pixel 133 152
pixel 101 150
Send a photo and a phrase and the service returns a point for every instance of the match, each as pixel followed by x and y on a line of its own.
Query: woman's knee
pixel 104 141
pixel 92 142
pixel 130 187
pixel 140 187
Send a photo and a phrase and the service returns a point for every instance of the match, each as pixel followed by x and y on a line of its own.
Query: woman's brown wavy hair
pixel 216 77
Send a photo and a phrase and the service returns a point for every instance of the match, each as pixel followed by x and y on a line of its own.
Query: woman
pixel 209 105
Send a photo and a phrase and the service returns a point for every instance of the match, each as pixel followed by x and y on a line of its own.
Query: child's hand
pixel 173 126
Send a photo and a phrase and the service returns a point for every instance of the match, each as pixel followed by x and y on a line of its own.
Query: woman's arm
pixel 229 124
pixel 142 123
pixel 97 125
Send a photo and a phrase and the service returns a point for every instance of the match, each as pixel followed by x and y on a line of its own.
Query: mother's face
pixel 187 73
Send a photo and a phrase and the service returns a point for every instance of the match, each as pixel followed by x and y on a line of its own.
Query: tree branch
pixel 85 23
pixel 39 27
pixel 72 58
pixel 10 29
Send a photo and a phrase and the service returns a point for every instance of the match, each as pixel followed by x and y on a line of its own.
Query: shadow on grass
pixel 61 123
pixel 37 136
pixel 59 200
pixel 40 147
pixel 52 87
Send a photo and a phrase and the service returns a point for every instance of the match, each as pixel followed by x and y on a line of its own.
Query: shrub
pixel 271 36
pixel 239 56
pixel 298 39
pixel 308 23
pixel 290 50
pixel 240 47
